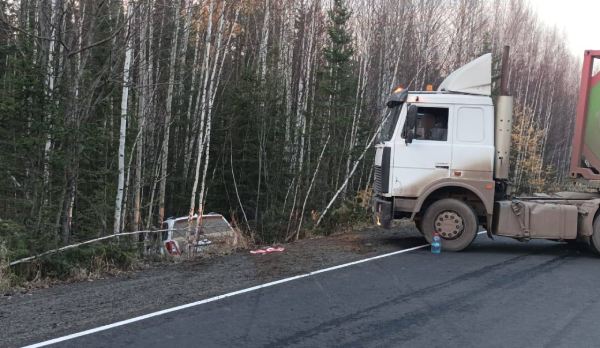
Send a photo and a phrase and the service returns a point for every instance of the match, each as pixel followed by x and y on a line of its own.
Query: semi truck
pixel 443 161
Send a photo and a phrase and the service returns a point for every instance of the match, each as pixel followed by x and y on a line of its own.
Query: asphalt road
pixel 497 294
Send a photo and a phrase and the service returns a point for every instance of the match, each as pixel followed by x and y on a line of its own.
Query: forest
pixel 117 114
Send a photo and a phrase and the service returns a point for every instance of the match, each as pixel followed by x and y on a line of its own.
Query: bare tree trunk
pixel 165 145
pixel 213 85
pixel 123 128
pixel 143 87
pixel 50 89
pixel 237 194
pixel 312 182
pixel 367 147
pixel 263 51
pixel 190 136
pixel 203 92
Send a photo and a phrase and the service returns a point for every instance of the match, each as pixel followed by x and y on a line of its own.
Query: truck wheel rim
pixel 449 225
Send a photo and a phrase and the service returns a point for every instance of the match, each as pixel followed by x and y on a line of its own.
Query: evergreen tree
pixel 338 86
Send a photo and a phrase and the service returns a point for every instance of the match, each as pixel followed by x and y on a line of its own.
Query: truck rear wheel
pixel 595 238
pixel 453 220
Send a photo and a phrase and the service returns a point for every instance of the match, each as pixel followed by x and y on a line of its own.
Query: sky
pixel 579 19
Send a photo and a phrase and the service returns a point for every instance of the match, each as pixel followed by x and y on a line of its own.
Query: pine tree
pixel 339 85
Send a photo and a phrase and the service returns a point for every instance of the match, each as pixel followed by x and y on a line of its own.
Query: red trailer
pixel 585 156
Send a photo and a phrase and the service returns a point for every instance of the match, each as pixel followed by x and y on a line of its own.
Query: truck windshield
pixel 387 131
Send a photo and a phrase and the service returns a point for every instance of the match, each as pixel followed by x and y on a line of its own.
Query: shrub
pixel 83 262
pixel 5 276
pixel 14 239
pixel 349 213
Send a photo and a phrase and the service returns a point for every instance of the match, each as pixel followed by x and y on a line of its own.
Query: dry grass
pixel 4 271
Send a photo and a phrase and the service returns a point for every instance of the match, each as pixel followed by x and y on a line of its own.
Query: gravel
pixel 63 309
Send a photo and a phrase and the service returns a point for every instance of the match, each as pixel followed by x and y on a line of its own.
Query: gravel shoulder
pixel 68 308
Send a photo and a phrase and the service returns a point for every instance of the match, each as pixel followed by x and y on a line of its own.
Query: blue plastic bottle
pixel 436 244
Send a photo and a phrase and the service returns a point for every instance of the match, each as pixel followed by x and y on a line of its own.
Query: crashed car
pixel 178 237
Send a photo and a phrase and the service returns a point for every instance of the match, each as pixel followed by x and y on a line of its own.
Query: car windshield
pixel 387 131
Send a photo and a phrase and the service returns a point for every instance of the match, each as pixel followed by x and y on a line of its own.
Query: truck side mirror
pixel 410 124
pixel 410 135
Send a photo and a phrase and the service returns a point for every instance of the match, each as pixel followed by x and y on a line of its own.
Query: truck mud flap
pixel 382 213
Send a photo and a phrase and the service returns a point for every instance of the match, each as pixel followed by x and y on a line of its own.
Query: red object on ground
pixel 172 248
pixel 267 251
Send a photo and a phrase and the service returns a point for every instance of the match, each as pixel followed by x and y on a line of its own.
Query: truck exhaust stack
pixel 503 128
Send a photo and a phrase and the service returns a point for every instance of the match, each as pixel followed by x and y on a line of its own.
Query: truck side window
pixel 432 124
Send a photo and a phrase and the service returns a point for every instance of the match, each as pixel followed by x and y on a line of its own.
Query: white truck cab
pixel 443 161
pixel 453 140
pixel 436 145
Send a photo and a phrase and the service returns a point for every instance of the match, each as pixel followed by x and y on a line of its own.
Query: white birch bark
pixel 167 127
pixel 50 75
pixel 123 127
pixel 203 92
pixel 312 182
pixel 356 163
pixel 304 84
pixel 215 77
pixel 189 142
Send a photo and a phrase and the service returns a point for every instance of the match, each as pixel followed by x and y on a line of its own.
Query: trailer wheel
pixel 595 238
pixel 453 220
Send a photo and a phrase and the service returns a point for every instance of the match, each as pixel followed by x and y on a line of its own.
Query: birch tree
pixel 118 110
pixel 169 107
pixel 123 126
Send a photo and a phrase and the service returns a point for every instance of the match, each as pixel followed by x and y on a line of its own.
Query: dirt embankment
pixel 67 308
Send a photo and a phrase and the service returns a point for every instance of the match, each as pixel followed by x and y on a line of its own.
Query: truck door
pixel 428 158
pixel 473 143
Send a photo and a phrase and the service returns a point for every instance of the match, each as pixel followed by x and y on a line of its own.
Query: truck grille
pixel 377 181
pixel 381 184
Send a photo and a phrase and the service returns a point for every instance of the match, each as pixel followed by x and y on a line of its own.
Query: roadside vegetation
pixel 116 115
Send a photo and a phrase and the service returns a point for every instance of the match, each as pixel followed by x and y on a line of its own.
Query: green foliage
pixel 84 261
pixel 320 82
pixel 5 275
pixel 340 50
pixel 338 79
pixel 88 260
pixel 349 213
pixel 336 101
pixel 15 240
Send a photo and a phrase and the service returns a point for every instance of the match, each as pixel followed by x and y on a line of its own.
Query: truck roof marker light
pixel 398 89
pixel 429 88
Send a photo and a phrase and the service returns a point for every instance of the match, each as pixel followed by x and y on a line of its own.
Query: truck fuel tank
pixel 535 220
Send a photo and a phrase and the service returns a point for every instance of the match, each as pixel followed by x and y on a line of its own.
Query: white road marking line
pixel 219 297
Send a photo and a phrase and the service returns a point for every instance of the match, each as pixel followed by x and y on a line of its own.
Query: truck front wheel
pixel 453 220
